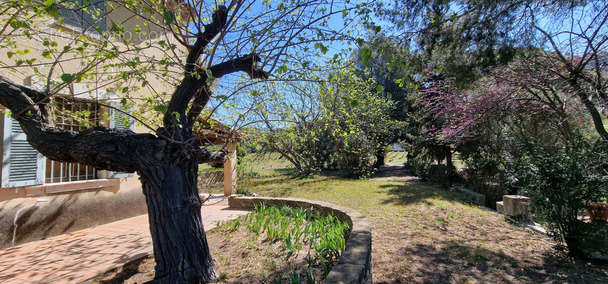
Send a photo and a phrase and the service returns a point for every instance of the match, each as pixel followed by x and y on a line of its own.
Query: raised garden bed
pixel 354 265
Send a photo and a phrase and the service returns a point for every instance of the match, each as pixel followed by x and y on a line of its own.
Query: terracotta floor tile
pixel 82 255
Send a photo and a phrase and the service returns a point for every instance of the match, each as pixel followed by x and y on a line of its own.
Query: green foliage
pixel 484 166
pixel 391 67
pixel 486 175
pixel 169 17
pixel 355 155
pixel 358 130
pixel 324 235
pixel 561 183
pixel 443 175
pixel 417 167
pixel 244 191
pixel 339 124
pixel 460 42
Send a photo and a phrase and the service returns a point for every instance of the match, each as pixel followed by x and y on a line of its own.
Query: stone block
pixel 477 198
pixel 346 274
pixel 516 204
pixel 500 208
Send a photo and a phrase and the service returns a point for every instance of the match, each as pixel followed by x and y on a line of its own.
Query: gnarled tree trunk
pixel 180 246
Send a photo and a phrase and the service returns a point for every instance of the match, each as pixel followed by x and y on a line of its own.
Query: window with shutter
pixel 83 15
pixel 22 165
pixel 120 121
pixel 73 115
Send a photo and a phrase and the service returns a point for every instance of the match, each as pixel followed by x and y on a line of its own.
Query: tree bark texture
pixel 169 182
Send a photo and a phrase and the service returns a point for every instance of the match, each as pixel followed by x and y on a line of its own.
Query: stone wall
pixel 355 264
pixel 36 218
pixel 210 179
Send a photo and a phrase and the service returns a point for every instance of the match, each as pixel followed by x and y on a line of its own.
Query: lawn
pixel 423 233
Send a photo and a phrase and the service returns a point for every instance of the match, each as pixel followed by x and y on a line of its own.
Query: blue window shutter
pixel 22 165
pixel 71 14
pixel 120 121
pixel 84 15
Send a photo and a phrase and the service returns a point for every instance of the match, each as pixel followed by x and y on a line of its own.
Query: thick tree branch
pixel 176 111
pixel 203 38
pixel 99 147
pixel 212 157
pixel 192 85
pixel 245 63
pixel 200 100
pixel 195 80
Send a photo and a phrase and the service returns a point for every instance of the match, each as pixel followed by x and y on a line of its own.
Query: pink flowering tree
pixel 521 97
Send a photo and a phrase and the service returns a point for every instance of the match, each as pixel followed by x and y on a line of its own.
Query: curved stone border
pixel 355 264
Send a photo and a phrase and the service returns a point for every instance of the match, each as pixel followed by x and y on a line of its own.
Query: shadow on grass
pixel 391 171
pixel 412 192
pixel 451 262
pixel 282 176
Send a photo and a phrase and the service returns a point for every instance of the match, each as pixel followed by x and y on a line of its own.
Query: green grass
pixel 396 157
pixel 208 168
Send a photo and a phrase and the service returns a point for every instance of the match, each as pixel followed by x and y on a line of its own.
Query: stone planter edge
pixel 355 264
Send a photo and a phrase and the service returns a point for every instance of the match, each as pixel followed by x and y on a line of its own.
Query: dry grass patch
pixel 426 234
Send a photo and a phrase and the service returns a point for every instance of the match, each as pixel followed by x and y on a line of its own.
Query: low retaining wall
pixel 209 179
pixel 477 198
pixel 355 264
pixel 42 217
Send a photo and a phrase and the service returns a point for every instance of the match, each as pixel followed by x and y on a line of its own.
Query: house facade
pixel 40 197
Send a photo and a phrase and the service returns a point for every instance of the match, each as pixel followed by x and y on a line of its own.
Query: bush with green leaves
pixel 339 122
pixel 443 175
pixel 355 155
pixel 418 167
pixel 485 174
pixel 562 182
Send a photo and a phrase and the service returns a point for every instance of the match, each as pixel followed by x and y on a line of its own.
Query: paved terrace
pixel 82 255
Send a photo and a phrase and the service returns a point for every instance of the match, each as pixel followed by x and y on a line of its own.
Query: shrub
pixel 440 174
pixel 241 190
pixel 561 183
pixel 355 155
pixel 485 175
pixel 418 167
pixel 443 175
